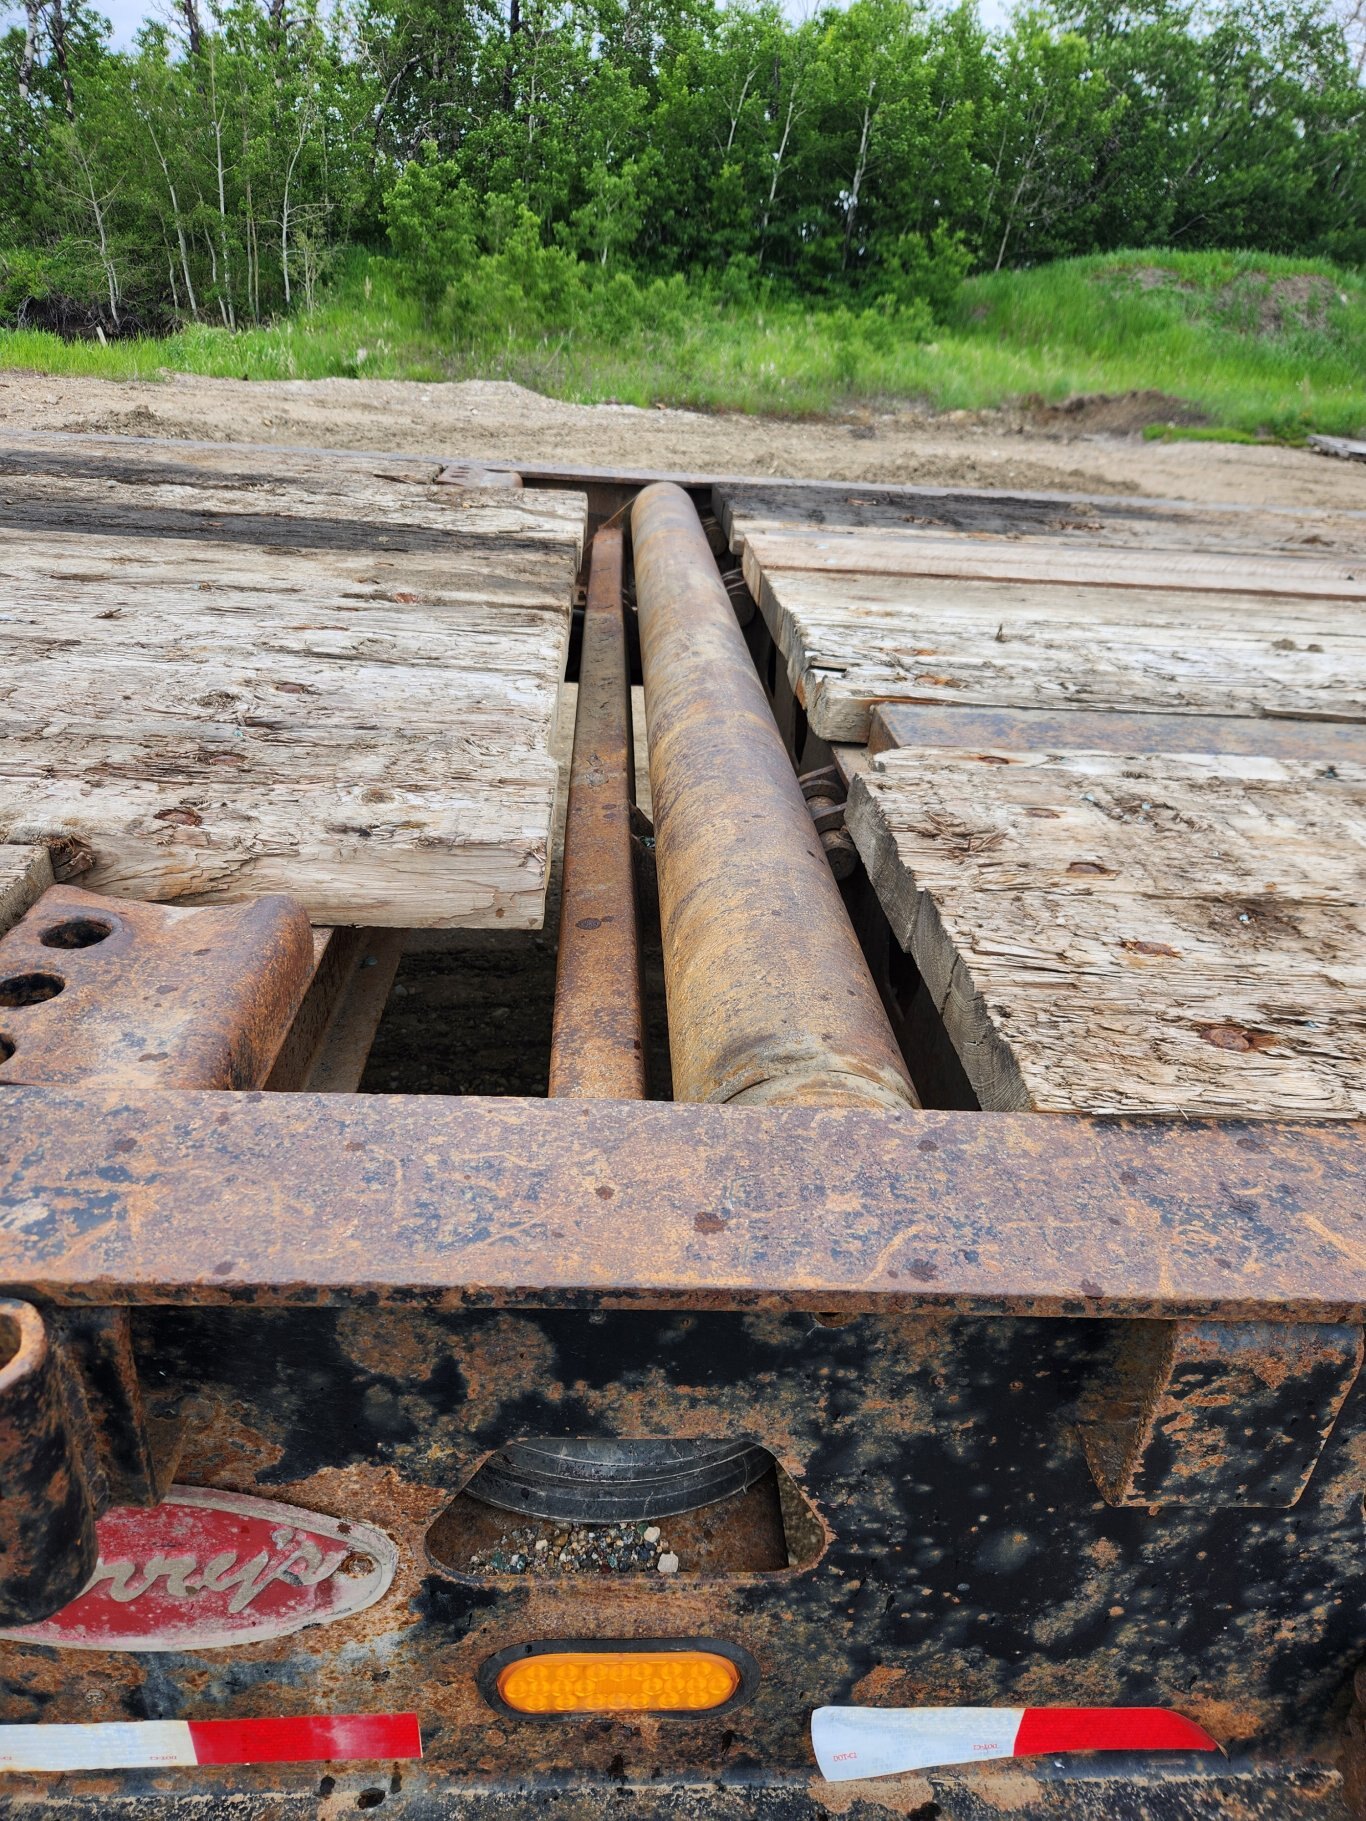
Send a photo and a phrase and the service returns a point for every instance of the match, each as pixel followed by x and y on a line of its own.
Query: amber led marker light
pixel 558 1678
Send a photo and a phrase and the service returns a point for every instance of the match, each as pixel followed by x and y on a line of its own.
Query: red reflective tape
pixel 306 1738
pixel 1050 1729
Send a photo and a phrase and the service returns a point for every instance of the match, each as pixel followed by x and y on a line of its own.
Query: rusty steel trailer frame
pixel 597 1044
pixel 1060 1409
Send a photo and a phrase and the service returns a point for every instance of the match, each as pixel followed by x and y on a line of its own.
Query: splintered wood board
pixel 25 874
pixel 1173 934
pixel 852 641
pixel 219 684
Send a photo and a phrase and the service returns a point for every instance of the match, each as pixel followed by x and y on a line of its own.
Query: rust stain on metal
pixel 1010 1584
pixel 131 1195
pixel 110 992
pixel 597 1046
pixel 770 998
pixel 1216 1414
pixel 47 1512
pixel 115 995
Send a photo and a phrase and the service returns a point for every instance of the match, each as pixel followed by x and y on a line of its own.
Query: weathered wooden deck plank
pixel 1110 933
pixel 220 678
pixel 1059 564
pixel 853 641
pixel 103 476
pixel 25 874
pixel 1022 730
pixel 1149 525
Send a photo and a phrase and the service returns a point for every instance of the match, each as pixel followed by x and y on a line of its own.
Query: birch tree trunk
pixel 778 158
pixel 284 205
pixel 225 300
pixel 28 56
pixel 57 27
pixel 860 166
pixel 738 109
pixel 175 217
pixel 102 238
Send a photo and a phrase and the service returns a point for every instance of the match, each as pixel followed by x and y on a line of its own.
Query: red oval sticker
pixel 204 1569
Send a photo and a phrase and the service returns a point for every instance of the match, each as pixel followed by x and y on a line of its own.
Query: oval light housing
pixel 563 1677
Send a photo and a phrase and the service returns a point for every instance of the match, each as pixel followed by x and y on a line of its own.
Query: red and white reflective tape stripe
pixel 852 1742
pixel 140 1744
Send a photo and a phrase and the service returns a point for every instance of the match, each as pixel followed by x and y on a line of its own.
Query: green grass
pixel 1248 345
pixel 360 326
pixel 1268 346
pixel 1197 433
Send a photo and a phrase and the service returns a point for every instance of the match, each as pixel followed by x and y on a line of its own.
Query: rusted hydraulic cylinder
pixel 770 999
pixel 597 1048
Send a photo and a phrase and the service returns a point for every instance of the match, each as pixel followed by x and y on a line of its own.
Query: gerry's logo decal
pixel 204 1570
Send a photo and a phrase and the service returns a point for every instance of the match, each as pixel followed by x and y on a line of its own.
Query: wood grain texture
pixel 1172 934
pixel 1146 525
pixel 1090 730
pixel 999 559
pixel 219 679
pixel 853 641
pixel 25 874
pixel 34 469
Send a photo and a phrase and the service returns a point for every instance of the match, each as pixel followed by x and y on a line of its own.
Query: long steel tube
pixel 597 1045
pixel 770 999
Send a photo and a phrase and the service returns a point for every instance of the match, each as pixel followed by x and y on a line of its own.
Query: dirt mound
pixel 138 422
pixel 1113 413
pixel 1300 302
pixel 1158 278
pixel 1257 303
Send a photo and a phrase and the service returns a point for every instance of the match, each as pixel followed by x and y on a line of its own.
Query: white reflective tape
pixel 852 1742
pixel 111 1745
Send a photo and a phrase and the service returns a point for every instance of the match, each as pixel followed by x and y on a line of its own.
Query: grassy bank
pixel 1237 343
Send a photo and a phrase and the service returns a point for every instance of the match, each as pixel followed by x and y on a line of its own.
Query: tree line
pixel 214 170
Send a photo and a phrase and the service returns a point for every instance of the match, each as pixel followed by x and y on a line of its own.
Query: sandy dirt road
pixel 1076 449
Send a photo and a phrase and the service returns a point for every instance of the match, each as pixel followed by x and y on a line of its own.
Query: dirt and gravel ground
pixel 1089 445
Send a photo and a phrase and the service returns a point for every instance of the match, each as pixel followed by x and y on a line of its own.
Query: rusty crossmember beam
pixel 329 1041
pixel 135 1196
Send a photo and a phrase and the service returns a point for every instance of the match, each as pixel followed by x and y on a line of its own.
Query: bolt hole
pixel 30 989
pixel 6 1048
pixel 76 932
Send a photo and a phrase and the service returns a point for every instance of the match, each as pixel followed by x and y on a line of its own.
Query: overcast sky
pixel 127 15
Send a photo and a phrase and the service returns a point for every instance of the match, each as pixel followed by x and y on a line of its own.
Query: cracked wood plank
pixel 1105 933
